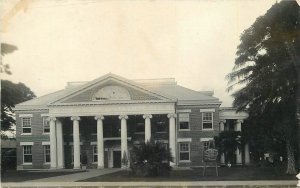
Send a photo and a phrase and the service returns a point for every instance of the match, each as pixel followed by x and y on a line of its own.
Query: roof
pixel 182 93
pixel 164 87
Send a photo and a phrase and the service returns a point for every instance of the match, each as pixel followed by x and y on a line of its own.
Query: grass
pixel 225 174
pixel 20 176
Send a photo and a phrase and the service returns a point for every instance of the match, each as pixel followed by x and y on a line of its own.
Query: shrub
pixel 150 159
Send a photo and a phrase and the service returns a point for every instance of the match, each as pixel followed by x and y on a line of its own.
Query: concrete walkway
pixel 77 176
pixel 198 184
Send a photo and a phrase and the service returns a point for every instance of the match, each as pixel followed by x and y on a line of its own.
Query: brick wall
pixel 196 132
pixel 37 137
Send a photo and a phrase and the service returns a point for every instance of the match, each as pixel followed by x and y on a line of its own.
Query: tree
pixel 268 67
pixel 6 49
pixel 12 94
pixel 150 159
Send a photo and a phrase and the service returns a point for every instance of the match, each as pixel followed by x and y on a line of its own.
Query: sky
pixel 193 41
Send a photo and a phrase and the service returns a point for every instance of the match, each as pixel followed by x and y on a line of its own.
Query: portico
pixel 75 114
pixel 231 120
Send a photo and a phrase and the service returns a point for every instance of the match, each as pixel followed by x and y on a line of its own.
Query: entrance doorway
pixel 117 159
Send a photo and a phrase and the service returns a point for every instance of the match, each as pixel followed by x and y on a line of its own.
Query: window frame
pixel 23 147
pixel 204 145
pixel 189 151
pixel 47 122
pixel 45 154
pixel 140 125
pixel 208 121
pixel 26 127
pixel 188 122
pixel 95 154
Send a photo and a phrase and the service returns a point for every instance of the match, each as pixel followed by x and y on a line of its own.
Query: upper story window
pixel 207 119
pixel 46 125
pixel 161 127
pixel 140 127
pixel 26 124
pixel 184 121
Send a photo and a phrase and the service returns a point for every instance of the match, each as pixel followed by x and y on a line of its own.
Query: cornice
pixel 110 103
pixel 198 103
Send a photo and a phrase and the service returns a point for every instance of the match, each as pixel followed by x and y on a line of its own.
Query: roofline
pixel 119 78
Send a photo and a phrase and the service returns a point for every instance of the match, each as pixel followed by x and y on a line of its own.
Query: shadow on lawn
pixel 195 174
pixel 20 176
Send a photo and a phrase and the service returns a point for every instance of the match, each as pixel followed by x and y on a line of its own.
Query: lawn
pixel 20 176
pixel 195 174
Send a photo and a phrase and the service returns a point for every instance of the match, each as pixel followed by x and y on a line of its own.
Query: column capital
pixel 222 120
pixel 51 118
pixel 239 120
pixel 145 116
pixel 101 117
pixel 123 117
pixel 173 115
pixel 75 118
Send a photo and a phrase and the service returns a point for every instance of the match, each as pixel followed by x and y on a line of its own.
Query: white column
pixel 222 125
pixel 238 127
pixel 100 142
pixel 123 119
pixel 222 128
pixel 53 163
pixel 247 154
pixel 222 159
pixel 172 136
pixel 76 142
pixel 147 118
pixel 60 145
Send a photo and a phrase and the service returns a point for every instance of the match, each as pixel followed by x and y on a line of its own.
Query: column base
pixel 60 167
pixel 172 164
pixel 76 168
pixel 100 167
pixel 53 168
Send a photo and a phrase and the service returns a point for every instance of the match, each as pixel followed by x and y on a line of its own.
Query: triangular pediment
pixel 110 88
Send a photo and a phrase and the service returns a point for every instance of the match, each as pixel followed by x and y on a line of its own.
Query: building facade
pixel 102 119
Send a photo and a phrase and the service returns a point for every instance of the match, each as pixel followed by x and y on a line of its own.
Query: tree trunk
pixel 290 158
pixel 296 62
pixel 298 114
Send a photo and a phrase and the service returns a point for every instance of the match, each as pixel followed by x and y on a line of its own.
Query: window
pixel 184 120
pixel 27 154
pixel 208 143
pixel 47 153
pixel 207 120
pixel 205 145
pixel 161 127
pixel 184 151
pixel 46 125
pixel 95 153
pixel 140 128
pixel 26 124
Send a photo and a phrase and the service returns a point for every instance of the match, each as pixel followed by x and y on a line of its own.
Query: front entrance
pixel 117 159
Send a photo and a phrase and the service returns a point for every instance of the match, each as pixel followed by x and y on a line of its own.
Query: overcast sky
pixel 72 40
